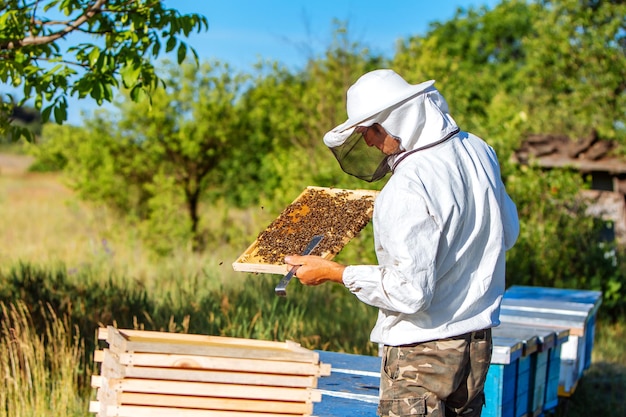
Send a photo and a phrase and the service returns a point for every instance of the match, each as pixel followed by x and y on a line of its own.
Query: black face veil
pixel 360 160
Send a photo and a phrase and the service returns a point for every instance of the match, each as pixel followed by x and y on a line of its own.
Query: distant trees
pixel 148 162
pixel 528 67
pixel 113 44
pixel 575 72
pixel 523 68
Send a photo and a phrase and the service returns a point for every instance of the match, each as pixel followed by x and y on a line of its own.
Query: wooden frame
pixel 250 261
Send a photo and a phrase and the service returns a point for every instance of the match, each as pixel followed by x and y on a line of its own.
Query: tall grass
pixel 42 374
pixel 43 223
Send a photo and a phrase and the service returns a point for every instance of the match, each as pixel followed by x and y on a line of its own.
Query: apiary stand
pixel 156 374
pixel 352 389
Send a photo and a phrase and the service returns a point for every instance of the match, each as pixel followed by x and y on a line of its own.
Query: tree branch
pixel 40 40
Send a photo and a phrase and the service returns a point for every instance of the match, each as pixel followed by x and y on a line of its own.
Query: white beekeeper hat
pixel 369 100
pixel 375 92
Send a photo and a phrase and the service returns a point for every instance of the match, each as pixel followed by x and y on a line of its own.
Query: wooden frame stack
pixel 155 374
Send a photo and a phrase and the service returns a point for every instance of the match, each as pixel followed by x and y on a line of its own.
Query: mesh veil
pixel 360 160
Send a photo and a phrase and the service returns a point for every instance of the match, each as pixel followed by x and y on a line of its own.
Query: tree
pixel 155 164
pixel 288 114
pixel 113 44
pixel 474 57
pixel 575 74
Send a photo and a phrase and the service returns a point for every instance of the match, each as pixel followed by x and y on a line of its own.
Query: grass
pixel 600 392
pixel 41 373
pixel 85 250
pixel 43 223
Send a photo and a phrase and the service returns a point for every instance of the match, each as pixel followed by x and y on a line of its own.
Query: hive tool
pixel 281 288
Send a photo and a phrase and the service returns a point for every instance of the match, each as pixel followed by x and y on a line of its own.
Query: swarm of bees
pixel 338 217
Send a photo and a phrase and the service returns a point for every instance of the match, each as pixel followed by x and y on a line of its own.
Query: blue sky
pixel 241 32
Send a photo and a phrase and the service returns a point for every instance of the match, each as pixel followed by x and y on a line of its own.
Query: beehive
pixel 558 309
pixel 538 365
pixel 155 374
pixel 337 214
pixel 500 394
pixel 524 387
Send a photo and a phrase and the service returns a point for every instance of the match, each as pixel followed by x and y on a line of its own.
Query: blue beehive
pixel 546 341
pixel 549 355
pixel 554 370
pixel 502 378
pixel 525 375
pixel 559 309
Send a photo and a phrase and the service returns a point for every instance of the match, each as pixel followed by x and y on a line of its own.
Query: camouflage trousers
pixel 442 378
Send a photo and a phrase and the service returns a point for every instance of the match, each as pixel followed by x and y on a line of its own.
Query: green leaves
pixel 125 38
pixel 130 74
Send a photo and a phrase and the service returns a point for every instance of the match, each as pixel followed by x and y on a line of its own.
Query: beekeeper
pixel 442 224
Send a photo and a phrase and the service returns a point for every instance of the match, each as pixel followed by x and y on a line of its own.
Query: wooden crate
pixel 155 374
pixel 558 309
pixel 300 225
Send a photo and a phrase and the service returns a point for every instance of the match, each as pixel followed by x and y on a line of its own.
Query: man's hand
pixel 315 270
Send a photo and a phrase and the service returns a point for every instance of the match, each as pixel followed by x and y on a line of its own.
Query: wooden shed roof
pixel 585 154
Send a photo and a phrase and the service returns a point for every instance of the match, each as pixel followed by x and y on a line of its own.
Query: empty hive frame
pixel 144 373
pixel 337 214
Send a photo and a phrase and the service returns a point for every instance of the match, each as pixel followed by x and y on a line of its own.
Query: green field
pixel 67 267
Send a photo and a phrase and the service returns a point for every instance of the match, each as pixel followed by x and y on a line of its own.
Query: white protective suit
pixel 442 225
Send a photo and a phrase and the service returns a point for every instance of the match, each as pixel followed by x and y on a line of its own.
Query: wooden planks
pixel 166 374
pixel 300 221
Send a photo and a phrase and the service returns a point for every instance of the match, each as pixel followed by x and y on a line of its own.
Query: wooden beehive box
pixel 337 214
pixel 500 394
pixel 558 309
pixel 156 374
pixel 523 385
pixel 546 341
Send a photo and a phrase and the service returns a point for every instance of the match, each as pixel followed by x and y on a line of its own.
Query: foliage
pixel 499 70
pixel 151 162
pixel 522 67
pixel 114 43
pixel 47 370
pixel 528 67
pixel 286 116
pixel 50 154
pixel 599 393
pixel 560 244
pixel 537 67
pixel 474 58
pixel 251 311
pixel 575 71
pixel 25 118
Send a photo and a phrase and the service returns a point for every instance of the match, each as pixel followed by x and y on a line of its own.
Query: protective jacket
pixel 442 224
